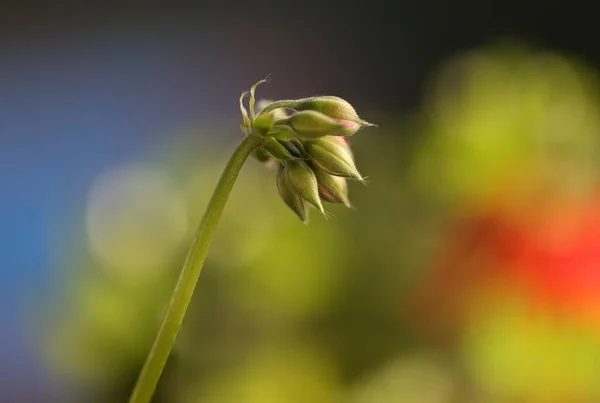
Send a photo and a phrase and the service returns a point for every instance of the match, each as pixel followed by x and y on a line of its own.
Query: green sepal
pixel 278 150
pixel 281 132
pixel 333 160
pixel 245 118
pixel 262 124
pixel 253 98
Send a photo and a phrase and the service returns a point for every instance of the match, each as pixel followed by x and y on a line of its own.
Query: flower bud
pixel 261 155
pixel 333 158
pixel 335 108
pixel 311 125
pixel 337 142
pixel 333 189
pixel 301 179
pixel 280 150
pixel 290 198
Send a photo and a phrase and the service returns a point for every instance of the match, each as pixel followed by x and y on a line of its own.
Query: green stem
pixel 171 323
pixel 286 103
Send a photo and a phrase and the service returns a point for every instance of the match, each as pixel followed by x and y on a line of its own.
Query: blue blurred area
pixel 68 109
pixel 75 103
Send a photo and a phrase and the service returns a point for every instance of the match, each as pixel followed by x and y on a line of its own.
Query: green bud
pixel 336 142
pixel 335 108
pixel 312 125
pixel 333 189
pixel 279 150
pixel 289 197
pixel 261 155
pixel 333 158
pixel 301 179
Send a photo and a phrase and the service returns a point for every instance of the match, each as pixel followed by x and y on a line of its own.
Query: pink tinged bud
pixel 333 159
pixel 301 179
pixel 290 198
pixel 333 189
pixel 333 107
pixel 325 195
pixel 348 128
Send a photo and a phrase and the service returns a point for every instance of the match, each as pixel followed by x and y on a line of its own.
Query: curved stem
pixel 287 103
pixel 171 323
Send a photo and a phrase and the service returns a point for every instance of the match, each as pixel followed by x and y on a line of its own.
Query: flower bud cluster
pixel 307 140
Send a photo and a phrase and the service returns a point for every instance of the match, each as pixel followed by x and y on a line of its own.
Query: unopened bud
pixel 336 142
pixel 333 158
pixel 301 179
pixel 333 189
pixel 312 125
pixel 333 107
pixel 261 155
pixel 290 198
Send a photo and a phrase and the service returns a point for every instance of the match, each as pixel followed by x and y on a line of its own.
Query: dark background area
pixel 381 50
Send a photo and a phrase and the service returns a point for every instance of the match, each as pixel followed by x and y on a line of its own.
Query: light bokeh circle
pixel 135 220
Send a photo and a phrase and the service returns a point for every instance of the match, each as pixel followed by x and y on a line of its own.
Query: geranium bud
pixel 261 155
pixel 333 107
pixel 333 158
pixel 311 125
pixel 301 179
pixel 290 198
pixel 333 189
pixel 336 142
pixel 279 151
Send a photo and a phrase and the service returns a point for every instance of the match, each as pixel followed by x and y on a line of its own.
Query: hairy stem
pixel 171 323
pixel 292 104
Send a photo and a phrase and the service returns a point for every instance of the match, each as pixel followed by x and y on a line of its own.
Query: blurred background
pixel 469 271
